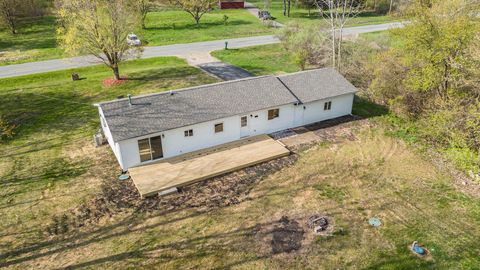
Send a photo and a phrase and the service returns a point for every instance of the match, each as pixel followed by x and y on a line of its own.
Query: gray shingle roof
pixel 317 84
pixel 163 111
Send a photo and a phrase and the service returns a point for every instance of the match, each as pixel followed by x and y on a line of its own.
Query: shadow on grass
pixel 36 33
pixel 364 108
pixel 193 26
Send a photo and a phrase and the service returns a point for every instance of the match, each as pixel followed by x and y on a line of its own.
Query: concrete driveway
pixel 169 50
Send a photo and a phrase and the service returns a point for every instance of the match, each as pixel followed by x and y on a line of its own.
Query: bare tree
pixel 338 13
pixel 9 14
pixel 143 7
pixel 286 7
pixel 100 28
pixel 196 8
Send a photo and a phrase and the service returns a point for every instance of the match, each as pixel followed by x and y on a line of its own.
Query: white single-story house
pixel 147 128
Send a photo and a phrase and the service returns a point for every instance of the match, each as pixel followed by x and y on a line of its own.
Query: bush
pixel 6 129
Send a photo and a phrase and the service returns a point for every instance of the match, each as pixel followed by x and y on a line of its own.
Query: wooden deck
pixel 203 164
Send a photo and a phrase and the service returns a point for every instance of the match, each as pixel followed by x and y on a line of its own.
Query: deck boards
pixel 203 164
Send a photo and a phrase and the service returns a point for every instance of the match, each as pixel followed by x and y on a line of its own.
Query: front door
pixel 244 126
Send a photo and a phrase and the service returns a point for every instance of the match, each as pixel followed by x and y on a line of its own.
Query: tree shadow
pixel 365 108
pixel 37 33
pixel 193 26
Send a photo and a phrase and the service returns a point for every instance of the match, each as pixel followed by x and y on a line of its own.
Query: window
pixel 150 148
pixel 243 121
pixel 218 127
pixel 156 147
pixel 273 113
pixel 327 106
pixel 188 133
pixel 144 150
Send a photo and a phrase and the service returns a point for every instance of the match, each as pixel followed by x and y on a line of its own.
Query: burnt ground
pixel 281 236
pixel 287 236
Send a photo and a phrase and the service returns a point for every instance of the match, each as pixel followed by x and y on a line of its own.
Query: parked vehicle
pixel 133 40
pixel 265 15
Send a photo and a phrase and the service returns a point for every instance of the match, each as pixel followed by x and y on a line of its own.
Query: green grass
pixel 383 39
pixel 300 15
pixel 36 39
pixel 259 60
pixel 50 164
pixel 350 181
pixel 176 26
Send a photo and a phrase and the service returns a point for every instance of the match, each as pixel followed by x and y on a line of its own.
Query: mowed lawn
pixel 51 164
pixel 259 60
pixel 300 15
pixel 176 26
pixel 37 41
pixel 350 180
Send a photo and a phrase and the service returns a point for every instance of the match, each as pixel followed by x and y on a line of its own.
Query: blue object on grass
pixel 124 177
pixel 418 249
pixel 375 222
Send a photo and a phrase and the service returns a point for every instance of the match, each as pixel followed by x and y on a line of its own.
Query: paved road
pixel 169 50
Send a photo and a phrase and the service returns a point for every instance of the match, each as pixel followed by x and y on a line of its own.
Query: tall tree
pixel 10 13
pixel 100 28
pixel 437 58
pixel 308 4
pixel 305 45
pixel 143 7
pixel 196 8
pixel 286 7
pixel 338 13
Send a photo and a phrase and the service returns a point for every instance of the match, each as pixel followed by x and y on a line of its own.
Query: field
pixel 36 39
pixel 301 15
pixel 175 26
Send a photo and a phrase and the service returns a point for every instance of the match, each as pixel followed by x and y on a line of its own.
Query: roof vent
pixel 172 92
pixel 129 100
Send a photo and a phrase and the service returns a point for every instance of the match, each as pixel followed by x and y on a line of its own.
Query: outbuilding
pixel 147 128
pixel 231 4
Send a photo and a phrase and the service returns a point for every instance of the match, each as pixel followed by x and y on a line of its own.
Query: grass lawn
pixel 259 60
pixel 51 164
pixel 350 180
pixel 301 16
pixel 36 39
pixel 176 26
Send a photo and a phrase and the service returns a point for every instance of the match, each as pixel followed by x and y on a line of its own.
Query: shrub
pixel 6 129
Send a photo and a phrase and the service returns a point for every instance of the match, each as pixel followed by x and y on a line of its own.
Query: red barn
pixel 229 4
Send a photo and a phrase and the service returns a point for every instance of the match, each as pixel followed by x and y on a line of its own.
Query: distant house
pixel 162 125
pixel 231 4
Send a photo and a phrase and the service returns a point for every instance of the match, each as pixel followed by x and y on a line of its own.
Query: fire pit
pixel 319 224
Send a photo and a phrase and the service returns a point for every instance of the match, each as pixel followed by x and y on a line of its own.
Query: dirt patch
pixel 109 82
pixel 282 236
pixel 121 196
pixel 287 236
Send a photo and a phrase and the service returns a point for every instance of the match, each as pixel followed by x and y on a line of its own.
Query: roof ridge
pixel 166 92
pixel 289 90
